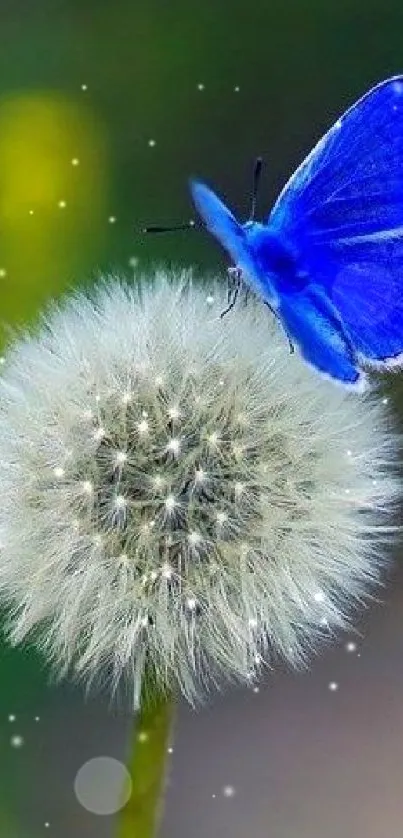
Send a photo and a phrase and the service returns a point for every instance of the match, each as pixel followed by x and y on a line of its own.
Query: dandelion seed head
pixel 182 494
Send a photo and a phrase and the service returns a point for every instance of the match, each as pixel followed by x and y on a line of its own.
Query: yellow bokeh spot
pixel 52 214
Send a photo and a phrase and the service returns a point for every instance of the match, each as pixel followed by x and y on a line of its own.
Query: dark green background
pixel 298 65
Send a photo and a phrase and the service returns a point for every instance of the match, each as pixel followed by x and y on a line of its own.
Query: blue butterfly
pixel 329 258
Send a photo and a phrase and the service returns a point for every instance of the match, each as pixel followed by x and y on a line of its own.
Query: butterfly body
pixel 329 258
pixel 310 319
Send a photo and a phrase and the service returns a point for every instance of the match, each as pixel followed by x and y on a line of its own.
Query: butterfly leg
pixel 234 280
pixel 237 274
pixel 273 311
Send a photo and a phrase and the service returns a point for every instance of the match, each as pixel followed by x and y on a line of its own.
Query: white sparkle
pixel 166 571
pixel 200 86
pixel 256 689
pixel 194 537
pixel 17 741
pixel 239 489
pixel 385 401
pixel 228 791
pixel 11 717
pixel 62 204
pixel 3 273
pixel 174 413
pixel 143 736
pixel 252 622
pixel 133 262
pixel 120 501
pixel 174 446
pixel 84 87
pixel 37 718
pixel 97 398
pixel 31 212
pixel 209 300
pixel 121 457
pixel 347 491
pixel 351 646
pixel 152 143
pixel 199 475
pixel 191 604
pixel 213 438
pixel 58 471
pixel 87 487
pixel 333 686
pixel 170 750
pixel 142 427
pixel 99 433
pixel 75 161
pixel 319 596
pixel 2 360
pixel 47 824
pixel 221 517
pixel 170 502
pixel 349 452
pixel 236 88
pixel 112 219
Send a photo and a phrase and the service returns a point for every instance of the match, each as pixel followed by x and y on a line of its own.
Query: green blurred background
pixel 106 108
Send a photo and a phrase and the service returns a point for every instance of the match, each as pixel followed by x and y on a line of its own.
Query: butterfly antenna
pixel 190 225
pixel 256 180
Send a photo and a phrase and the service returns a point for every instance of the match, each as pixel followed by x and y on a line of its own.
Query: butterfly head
pixel 254 248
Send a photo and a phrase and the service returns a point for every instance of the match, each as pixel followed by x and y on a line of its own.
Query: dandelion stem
pixel 147 765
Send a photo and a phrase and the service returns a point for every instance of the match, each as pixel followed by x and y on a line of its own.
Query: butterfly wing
pixel 312 321
pixel 222 224
pixel 343 210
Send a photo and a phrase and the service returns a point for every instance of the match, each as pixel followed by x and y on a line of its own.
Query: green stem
pixel 147 766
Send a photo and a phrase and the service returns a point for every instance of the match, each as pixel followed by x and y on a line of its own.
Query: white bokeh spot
pixel 103 785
